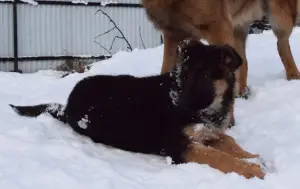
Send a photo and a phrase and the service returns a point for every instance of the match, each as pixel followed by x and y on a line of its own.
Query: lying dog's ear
pixel 189 46
pixel 231 58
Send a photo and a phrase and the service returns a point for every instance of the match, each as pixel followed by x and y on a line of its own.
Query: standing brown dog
pixel 224 22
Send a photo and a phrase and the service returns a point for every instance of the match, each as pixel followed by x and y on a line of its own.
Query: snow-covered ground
pixel 42 153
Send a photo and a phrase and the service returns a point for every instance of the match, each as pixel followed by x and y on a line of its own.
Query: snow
pixel 44 153
pixel 104 3
pixel 83 122
pixel 32 2
pixel 198 127
pixel 85 2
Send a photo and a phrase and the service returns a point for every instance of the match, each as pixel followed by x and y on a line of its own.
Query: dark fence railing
pixel 16 59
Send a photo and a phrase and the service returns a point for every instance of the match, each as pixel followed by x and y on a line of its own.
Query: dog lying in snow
pixel 182 114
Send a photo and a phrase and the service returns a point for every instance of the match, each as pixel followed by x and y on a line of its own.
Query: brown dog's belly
pixel 244 12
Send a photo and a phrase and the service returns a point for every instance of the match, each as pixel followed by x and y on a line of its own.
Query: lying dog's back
pixel 121 97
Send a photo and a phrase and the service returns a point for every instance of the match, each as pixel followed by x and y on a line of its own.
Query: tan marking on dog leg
pixel 227 144
pixel 222 161
pixel 169 57
pixel 217 140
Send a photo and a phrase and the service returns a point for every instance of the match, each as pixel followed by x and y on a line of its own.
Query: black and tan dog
pixel 182 114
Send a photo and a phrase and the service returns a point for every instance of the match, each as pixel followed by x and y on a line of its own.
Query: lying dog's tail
pixel 54 109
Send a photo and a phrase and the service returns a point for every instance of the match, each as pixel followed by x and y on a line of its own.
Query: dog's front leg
pixel 240 35
pixel 227 144
pixel 169 56
pixel 197 152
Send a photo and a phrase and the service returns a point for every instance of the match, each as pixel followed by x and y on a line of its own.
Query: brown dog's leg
pixel 222 161
pixel 169 57
pixel 227 144
pixel 282 24
pixel 240 35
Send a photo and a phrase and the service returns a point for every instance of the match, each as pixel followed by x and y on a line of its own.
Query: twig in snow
pixel 103 47
pixel 141 37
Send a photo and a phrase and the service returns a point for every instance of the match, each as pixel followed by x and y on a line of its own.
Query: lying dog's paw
pixel 254 170
pixel 259 161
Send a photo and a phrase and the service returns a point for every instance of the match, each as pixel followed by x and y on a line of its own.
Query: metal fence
pixel 43 36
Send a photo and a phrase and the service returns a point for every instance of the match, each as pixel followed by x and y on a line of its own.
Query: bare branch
pixel 103 47
pixel 116 37
pixel 116 27
pixel 141 37
pixel 105 32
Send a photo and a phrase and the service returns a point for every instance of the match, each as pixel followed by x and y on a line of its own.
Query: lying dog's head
pixel 203 73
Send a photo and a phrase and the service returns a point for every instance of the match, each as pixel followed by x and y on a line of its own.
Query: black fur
pixel 148 115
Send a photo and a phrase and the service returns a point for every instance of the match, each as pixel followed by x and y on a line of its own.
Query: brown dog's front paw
pixel 244 93
pixel 294 76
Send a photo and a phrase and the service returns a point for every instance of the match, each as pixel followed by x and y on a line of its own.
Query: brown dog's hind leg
pixel 227 144
pixel 282 24
pixel 169 57
pixel 222 161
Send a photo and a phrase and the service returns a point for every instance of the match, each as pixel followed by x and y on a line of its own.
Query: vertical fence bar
pixel 15 32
